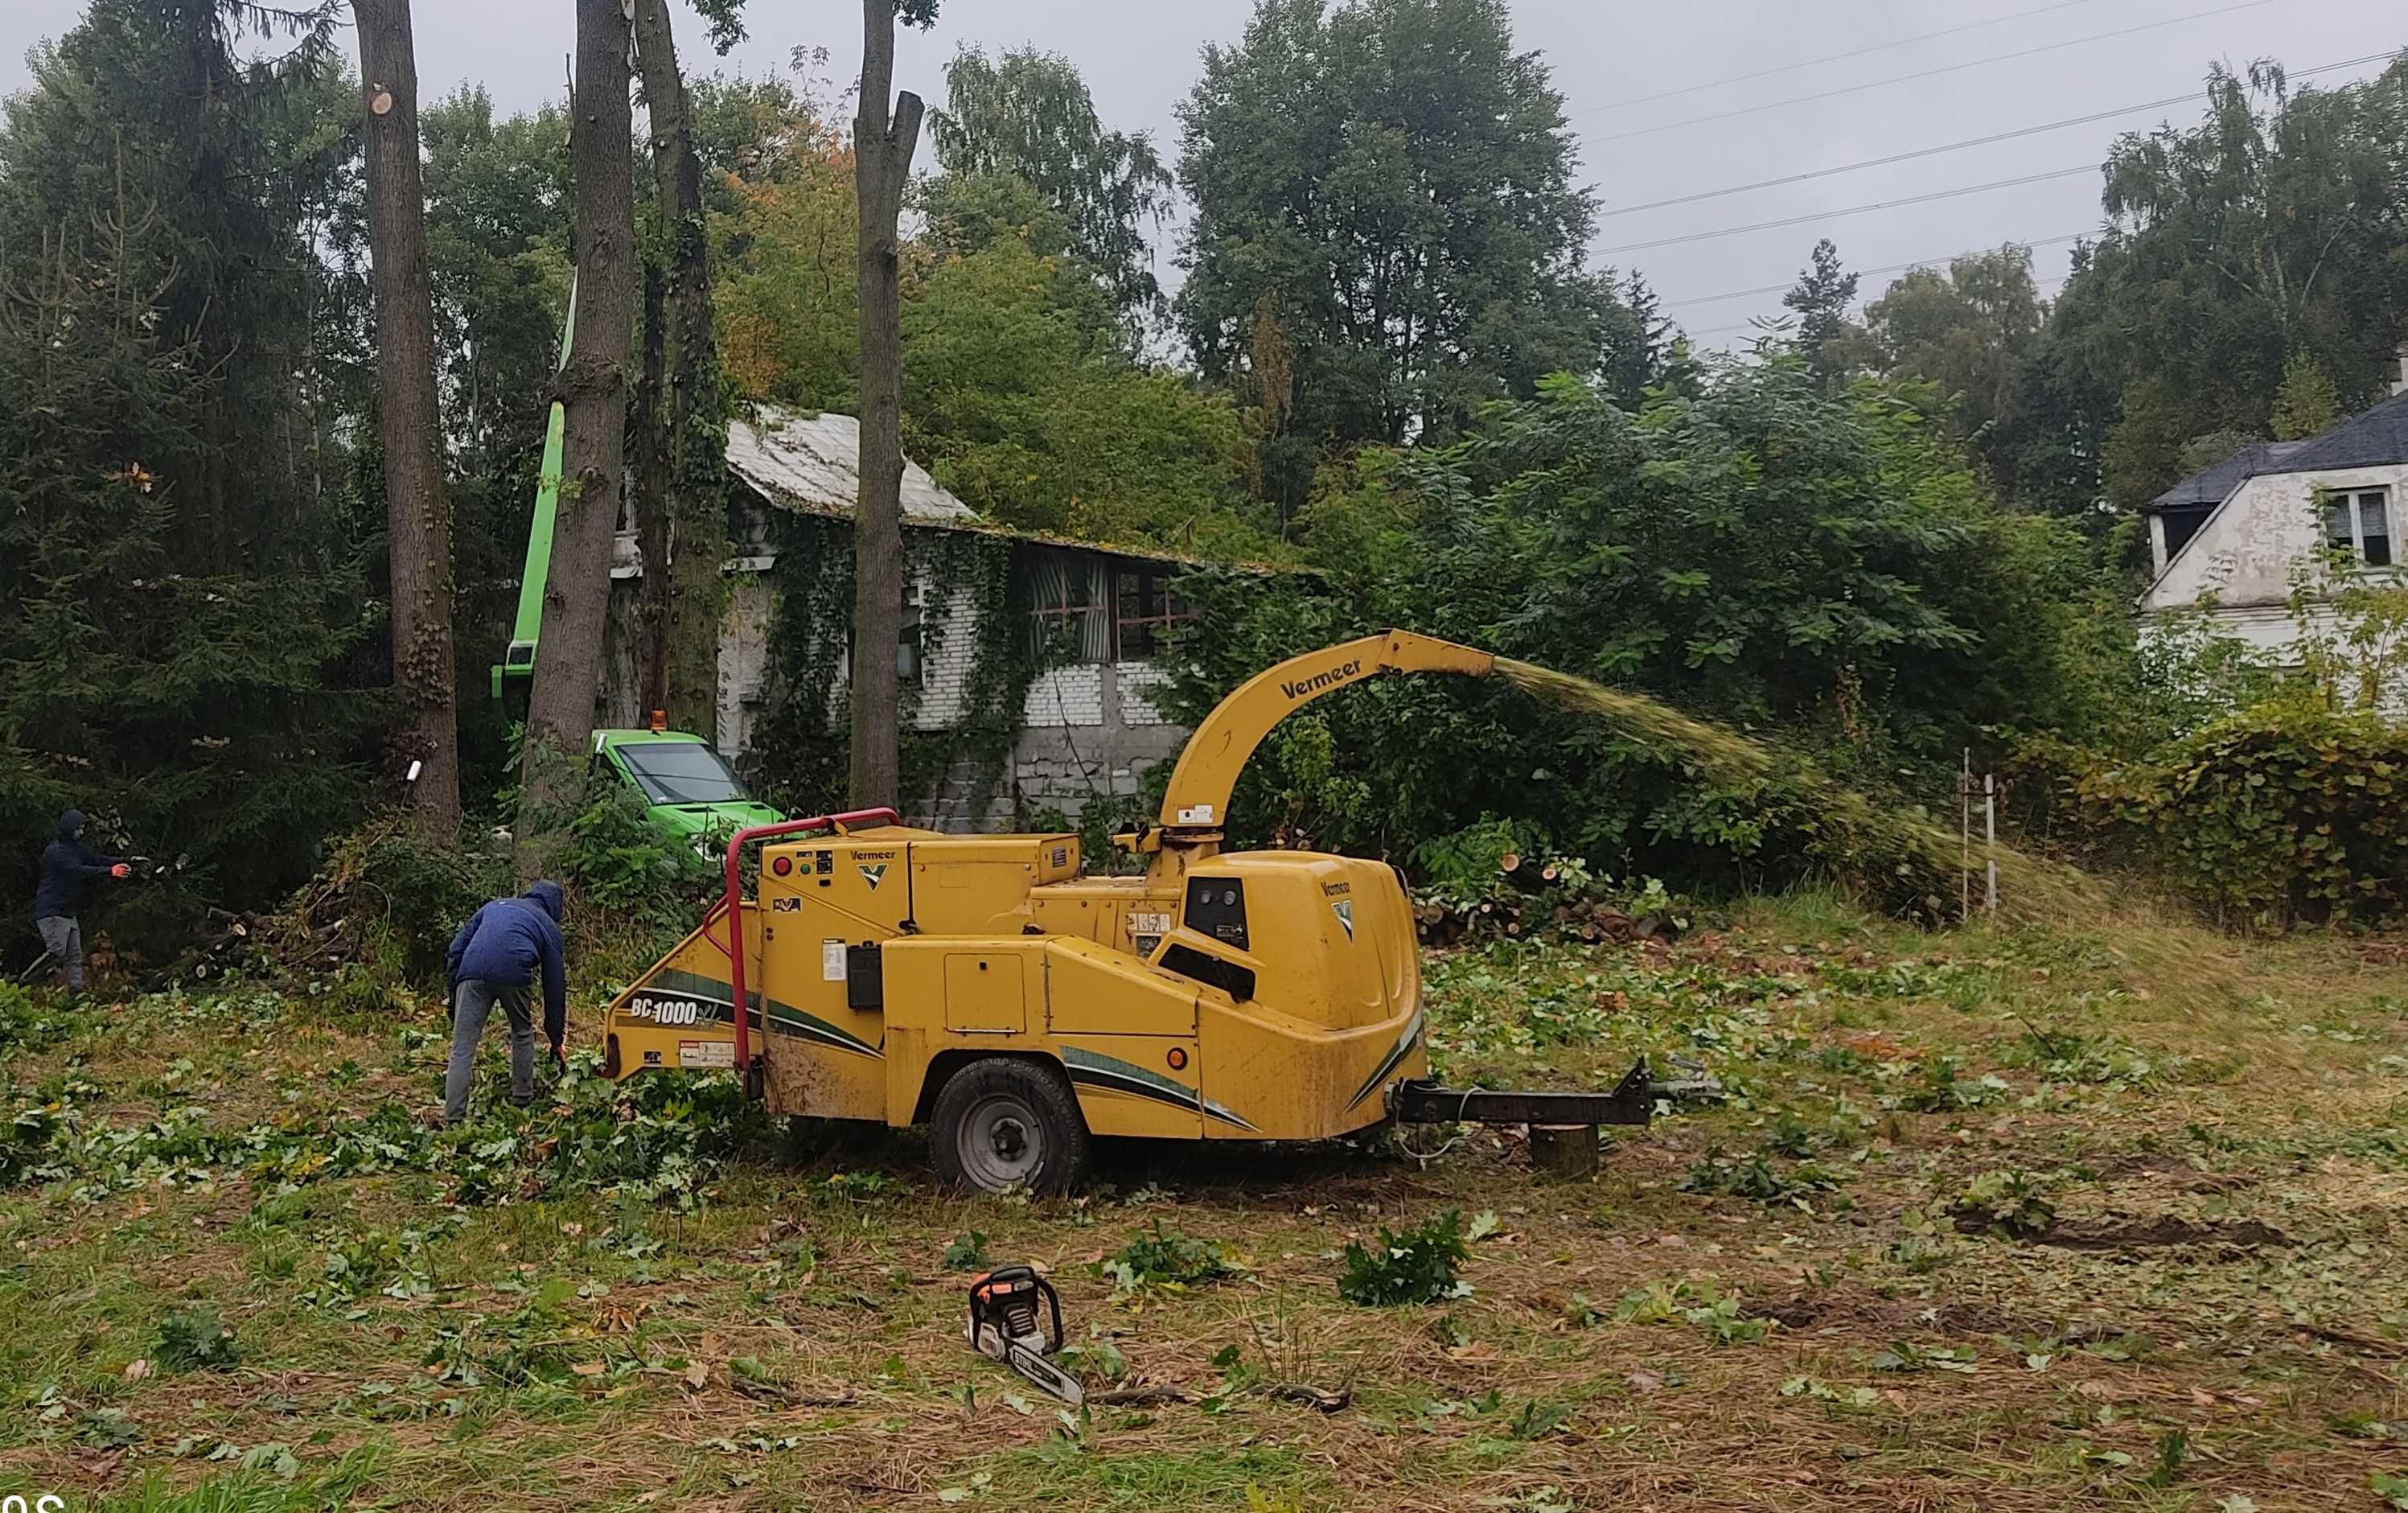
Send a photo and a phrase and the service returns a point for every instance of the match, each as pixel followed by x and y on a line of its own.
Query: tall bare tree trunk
pixel 694 423
pixel 593 389
pixel 882 150
pixel 648 509
pixel 418 508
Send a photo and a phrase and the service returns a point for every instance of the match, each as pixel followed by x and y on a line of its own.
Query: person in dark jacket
pixel 68 868
pixel 497 956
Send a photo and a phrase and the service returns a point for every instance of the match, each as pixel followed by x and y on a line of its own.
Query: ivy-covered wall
pixel 961 716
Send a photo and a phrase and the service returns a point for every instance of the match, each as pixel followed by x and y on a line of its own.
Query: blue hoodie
pixel 68 867
pixel 506 940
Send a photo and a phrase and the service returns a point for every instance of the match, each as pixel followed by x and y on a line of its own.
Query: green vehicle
pixel 688 789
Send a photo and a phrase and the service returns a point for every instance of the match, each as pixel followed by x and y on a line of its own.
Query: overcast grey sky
pixel 1140 57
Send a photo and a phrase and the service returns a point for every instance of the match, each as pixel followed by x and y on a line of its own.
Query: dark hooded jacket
pixel 68 867
pixel 508 941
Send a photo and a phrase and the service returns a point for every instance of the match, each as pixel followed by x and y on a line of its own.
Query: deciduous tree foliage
pixel 1972 329
pixel 1387 233
pixel 789 302
pixel 1028 115
pixel 1019 396
pixel 2276 227
pixel 1821 568
pixel 1023 391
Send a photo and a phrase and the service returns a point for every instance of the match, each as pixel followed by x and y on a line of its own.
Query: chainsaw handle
pixel 992 1290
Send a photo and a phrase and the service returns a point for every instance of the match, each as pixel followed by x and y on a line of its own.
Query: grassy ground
pixel 1991 1223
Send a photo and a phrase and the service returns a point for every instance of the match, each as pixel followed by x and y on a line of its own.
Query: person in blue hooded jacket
pixel 68 868
pixel 497 957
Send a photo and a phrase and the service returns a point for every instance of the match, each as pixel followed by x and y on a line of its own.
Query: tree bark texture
pixel 1564 1150
pixel 883 147
pixel 693 422
pixel 418 507
pixel 594 390
pixel 648 509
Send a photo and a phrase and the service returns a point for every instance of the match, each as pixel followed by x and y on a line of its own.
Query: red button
pixel 782 865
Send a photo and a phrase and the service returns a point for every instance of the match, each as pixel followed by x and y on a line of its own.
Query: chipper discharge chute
pixel 985 986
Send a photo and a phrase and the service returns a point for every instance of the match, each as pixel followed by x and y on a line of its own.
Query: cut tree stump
pixel 1564 1150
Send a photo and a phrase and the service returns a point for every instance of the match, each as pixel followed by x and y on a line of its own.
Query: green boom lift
pixel 687 787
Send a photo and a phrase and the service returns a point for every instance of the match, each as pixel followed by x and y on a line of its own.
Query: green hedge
pixel 2280 812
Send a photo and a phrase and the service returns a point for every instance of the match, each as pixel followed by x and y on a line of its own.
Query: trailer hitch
pixel 1632 1101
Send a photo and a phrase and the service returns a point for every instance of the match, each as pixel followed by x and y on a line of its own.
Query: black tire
pixel 1009 1121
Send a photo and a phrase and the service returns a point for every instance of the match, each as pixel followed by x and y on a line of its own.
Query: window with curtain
pixel 2359 522
pixel 1069 607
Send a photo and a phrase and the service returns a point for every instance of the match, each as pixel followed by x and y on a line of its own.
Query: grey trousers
pixel 471 1006
pixel 63 937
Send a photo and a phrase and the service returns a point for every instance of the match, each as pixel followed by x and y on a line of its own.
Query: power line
pixel 1853 209
pixel 1894 268
pixel 1958 147
pixel 1927 73
pixel 1833 57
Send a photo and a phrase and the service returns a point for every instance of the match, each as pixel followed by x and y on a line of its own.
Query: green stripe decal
pixel 1396 1053
pixel 785 1019
pixel 1091 1068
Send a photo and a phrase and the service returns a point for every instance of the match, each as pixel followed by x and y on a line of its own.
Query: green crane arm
pixel 517 665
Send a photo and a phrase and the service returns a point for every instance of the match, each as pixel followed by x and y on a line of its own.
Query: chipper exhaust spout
pixel 1198 796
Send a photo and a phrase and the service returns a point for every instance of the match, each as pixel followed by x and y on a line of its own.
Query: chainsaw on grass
pixel 1016 1317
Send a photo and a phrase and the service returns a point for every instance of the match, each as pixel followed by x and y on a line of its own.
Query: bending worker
pixel 68 867
pixel 496 956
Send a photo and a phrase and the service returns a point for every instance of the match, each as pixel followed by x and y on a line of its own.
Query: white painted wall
pixel 948 651
pixel 1140 683
pixel 1071 696
pixel 2244 555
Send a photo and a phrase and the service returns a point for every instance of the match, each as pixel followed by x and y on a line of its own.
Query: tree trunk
pixel 695 420
pixel 882 150
pixel 593 389
pixel 1564 1150
pixel 649 508
pixel 418 508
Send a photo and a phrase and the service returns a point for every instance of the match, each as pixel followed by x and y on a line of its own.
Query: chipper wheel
pixel 1008 1121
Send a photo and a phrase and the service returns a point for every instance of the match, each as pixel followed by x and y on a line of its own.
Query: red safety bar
pixel 736 845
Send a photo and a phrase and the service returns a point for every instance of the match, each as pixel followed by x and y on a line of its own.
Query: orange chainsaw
pixel 1016 1317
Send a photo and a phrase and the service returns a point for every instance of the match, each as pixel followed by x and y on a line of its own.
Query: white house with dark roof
pixel 1090 725
pixel 2235 540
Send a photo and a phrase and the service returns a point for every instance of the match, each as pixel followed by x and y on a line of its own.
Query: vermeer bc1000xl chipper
pixel 981 983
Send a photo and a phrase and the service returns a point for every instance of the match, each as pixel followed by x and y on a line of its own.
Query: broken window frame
pixel 1168 610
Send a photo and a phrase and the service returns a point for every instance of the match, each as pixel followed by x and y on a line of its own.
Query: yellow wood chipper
pixel 985 986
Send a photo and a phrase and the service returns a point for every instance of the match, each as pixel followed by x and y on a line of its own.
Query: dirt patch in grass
pixel 2228 1241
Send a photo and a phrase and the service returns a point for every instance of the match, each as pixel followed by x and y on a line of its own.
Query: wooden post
pixel 1991 837
pixel 1964 840
pixel 1568 1151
